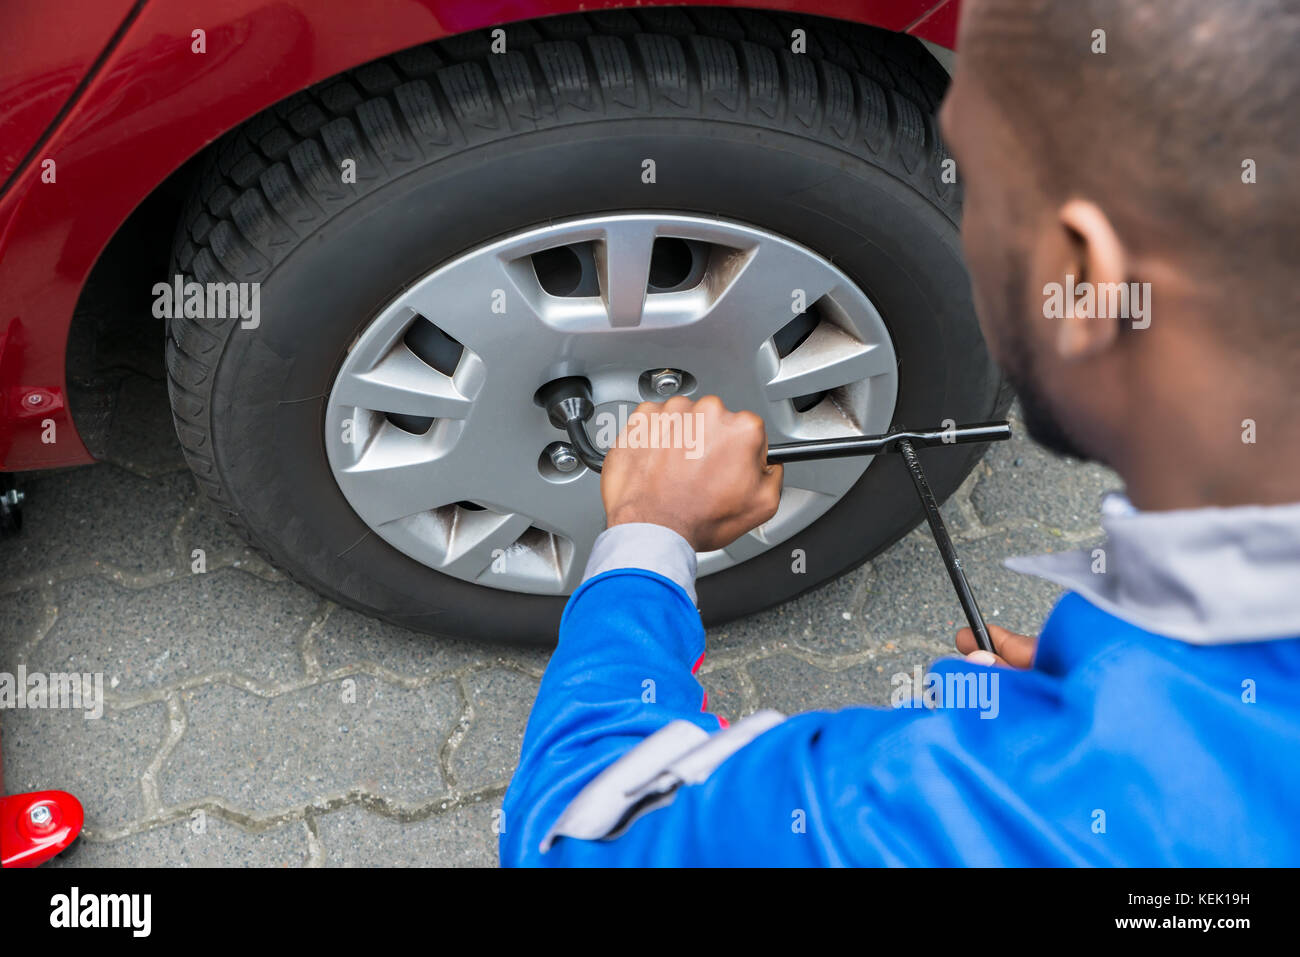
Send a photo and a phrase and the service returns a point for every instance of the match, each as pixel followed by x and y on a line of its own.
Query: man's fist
pixel 711 484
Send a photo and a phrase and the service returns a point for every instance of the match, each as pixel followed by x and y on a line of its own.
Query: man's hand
pixel 1014 651
pixel 711 486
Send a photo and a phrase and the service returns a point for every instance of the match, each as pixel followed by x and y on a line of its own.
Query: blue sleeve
pixel 623 669
pixel 629 642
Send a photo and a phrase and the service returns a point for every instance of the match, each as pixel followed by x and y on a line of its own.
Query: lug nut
pixel 666 382
pixel 563 457
pixel 40 815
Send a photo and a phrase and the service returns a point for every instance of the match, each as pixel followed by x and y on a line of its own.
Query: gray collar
pixel 1205 576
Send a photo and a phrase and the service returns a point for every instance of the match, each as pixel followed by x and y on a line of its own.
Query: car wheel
pixel 665 202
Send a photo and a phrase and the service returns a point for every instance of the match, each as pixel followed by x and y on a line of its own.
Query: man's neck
pixel 1217 446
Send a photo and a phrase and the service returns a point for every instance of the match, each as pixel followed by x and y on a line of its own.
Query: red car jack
pixel 36 826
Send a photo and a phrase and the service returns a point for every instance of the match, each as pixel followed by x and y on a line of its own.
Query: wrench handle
pixel 941 538
pixel 889 442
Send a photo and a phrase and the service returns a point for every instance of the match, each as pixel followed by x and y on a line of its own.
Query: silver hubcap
pixel 435 440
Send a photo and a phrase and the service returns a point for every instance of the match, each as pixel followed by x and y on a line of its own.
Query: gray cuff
pixel 642 545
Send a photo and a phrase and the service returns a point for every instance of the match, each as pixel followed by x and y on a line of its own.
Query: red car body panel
pixel 36 79
pixel 112 92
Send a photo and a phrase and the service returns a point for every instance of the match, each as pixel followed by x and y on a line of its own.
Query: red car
pixel 366 235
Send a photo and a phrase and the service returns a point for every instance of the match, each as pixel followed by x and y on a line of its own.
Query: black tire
pixel 835 148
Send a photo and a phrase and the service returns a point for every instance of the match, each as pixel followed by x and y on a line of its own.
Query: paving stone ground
pixel 251 722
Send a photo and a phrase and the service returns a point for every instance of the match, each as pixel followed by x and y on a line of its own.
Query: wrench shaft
pixel 941 538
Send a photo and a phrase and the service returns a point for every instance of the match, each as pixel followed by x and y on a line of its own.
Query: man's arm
pixel 631 637
pixel 618 728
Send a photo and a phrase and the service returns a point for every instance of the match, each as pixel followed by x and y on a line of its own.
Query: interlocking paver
pixel 1020 480
pixel 500 700
pixel 145 640
pixel 911 592
pixel 100 760
pixel 461 837
pixel 350 640
pixel 261 755
pixel 816 620
pixel 101 518
pixel 203 528
pixel 726 691
pixel 26 616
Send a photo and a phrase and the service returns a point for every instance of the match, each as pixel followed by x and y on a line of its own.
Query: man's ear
pixel 1098 258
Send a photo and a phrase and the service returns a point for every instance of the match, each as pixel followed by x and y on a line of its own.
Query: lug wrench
pixel 906 443
pixel 568 404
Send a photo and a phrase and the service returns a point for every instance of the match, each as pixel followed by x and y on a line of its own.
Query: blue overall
pixel 1119 747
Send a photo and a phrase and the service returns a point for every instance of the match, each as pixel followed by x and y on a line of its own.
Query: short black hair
pixel 1156 129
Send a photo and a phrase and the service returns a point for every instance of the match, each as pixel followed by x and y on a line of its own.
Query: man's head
pixel 1110 144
